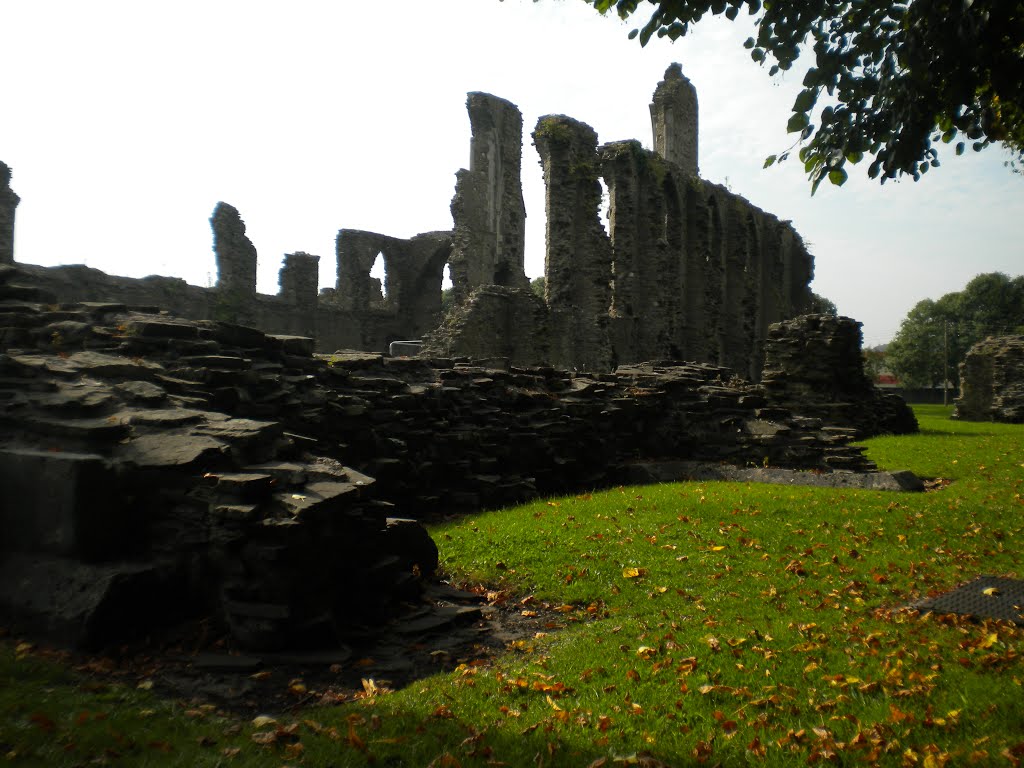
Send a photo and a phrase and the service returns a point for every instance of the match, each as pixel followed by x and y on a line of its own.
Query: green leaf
pixel 797 122
pixel 805 100
pixel 960 148
pixel 854 157
pixel 769 161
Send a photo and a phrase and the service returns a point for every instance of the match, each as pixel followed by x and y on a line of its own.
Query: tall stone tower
pixel 8 202
pixel 674 120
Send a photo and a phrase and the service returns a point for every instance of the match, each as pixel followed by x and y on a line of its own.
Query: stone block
pixel 88 605
pixel 60 503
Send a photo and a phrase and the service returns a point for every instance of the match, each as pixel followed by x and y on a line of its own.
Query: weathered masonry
pixel 155 467
pixel 992 381
pixel 685 270
pixel 8 203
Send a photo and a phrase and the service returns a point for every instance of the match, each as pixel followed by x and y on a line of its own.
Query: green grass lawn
pixel 715 623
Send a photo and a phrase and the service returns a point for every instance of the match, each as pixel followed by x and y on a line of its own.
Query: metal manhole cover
pixel 987 597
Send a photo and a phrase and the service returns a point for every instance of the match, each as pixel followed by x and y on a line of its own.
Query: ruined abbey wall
pixel 685 270
pixel 358 314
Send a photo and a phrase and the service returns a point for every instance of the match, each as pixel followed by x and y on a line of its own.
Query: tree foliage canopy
pixel 894 79
pixel 940 331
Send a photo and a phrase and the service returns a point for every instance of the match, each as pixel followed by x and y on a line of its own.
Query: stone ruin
pixel 155 466
pixel 8 203
pixel 813 365
pixel 992 381
pixel 686 270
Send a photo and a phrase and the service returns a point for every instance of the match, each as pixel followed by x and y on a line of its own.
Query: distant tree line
pixel 936 335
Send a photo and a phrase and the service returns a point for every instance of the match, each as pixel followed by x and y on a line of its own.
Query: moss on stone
pixel 553 129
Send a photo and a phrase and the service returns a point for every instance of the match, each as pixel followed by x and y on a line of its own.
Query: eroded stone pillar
pixel 488 208
pixel 578 260
pixel 299 279
pixel 236 255
pixel 674 120
pixel 8 203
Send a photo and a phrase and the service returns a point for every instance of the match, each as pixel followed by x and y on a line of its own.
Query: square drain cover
pixel 987 597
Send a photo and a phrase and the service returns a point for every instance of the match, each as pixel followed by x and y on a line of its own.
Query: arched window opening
pixel 379 273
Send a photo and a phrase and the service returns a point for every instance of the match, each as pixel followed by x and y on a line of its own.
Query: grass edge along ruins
pixel 686 270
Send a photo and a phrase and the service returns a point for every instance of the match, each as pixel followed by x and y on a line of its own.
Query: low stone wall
pixel 813 364
pixel 992 381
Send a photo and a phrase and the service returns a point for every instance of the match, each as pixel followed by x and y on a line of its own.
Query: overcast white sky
pixel 125 122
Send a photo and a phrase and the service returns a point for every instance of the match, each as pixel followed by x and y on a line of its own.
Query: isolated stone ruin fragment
pixel 992 381
pixel 8 203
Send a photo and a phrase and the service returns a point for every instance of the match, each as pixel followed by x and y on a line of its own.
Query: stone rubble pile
pixel 153 465
pixel 813 365
pixel 992 381
pixel 133 496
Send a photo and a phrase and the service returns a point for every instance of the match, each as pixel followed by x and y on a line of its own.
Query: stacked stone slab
pixel 992 381
pixel 149 460
pixel 814 366
pixel 134 493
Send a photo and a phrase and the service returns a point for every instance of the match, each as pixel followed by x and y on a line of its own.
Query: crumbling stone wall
pixel 345 317
pixel 700 273
pixel 8 203
pixel 992 381
pixel 409 304
pixel 814 366
pixel 687 270
pixel 299 279
pixel 201 465
pixel 488 243
pixel 236 265
pixel 498 325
